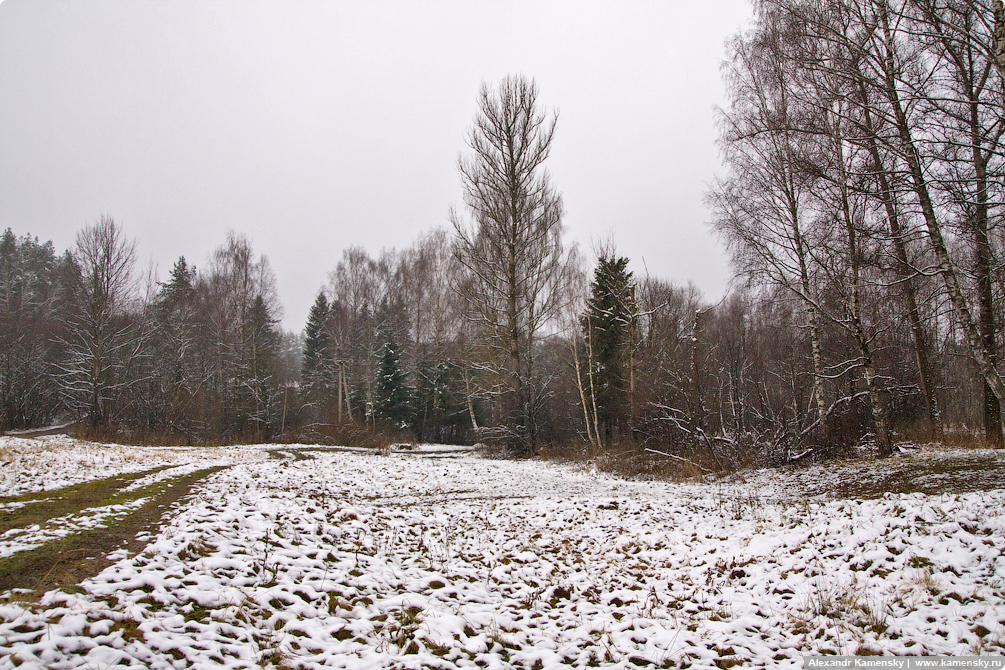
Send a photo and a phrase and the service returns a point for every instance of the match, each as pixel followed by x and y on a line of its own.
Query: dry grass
pixel 116 434
pixel 346 435
pixel 634 462
pixel 964 465
pixel 929 473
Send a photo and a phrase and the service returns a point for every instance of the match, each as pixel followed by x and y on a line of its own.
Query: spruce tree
pixel 179 288
pixel 28 273
pixel 609 325
pixel 262 342
pixel 315 338
pixel 392 394
pixel 434 418
pixel 316 351
pixel 176 369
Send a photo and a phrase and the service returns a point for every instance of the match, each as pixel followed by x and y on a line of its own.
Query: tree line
pixel 863 147
pixel 197 357
pixel 859 203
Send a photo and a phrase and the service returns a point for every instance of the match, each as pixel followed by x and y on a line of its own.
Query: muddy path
pixel 63 428
pixel 297 454
pixel 66 561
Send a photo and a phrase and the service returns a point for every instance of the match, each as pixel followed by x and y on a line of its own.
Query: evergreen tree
pixel 315 366
pixel 176 374
pixel 263 342
pixel 432 398
pixel 28 396
pixel 392 395
pixel 609 325
pixel 179 289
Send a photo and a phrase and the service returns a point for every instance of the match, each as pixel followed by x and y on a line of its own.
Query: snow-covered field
pixel 373 561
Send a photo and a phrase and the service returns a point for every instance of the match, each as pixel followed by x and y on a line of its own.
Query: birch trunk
pixel 999 35
pixel 811 313
pixel 946 268
pixel 579 387
pixel 905 275
pixel 855 306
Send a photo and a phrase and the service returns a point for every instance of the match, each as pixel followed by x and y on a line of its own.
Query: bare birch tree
pixel 967 100
pixel 760 209
pixel 881 39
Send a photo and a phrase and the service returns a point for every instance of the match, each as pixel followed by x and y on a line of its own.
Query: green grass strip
pixel 71 559
pixel 68 500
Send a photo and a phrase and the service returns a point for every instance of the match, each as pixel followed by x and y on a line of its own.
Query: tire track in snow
pixel 71 559
pixel 34 508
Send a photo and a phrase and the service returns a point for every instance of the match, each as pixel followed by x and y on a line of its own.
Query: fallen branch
pixel 833 406
pixel 793 459
pixel 681 459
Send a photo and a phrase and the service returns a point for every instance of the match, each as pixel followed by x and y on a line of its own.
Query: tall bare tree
pixel 967 100
pixel 761 209
pixel 510 243
pixel 918 118
pixel 241 307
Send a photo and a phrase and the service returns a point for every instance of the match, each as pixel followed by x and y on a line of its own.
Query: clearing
pixel 299 557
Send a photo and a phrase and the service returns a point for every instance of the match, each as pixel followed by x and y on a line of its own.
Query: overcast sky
pixel 313 125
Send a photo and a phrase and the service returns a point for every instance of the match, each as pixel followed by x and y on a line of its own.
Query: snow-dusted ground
pixel 366 561
pixel 46 463
pixel 31 537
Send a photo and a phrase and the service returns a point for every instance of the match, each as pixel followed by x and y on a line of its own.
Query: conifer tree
pixel 609 325
pixel 257 397
pixel 392 394
pixel 316 351
pixel 27 284
pixel 176 374
pixel 179 288
pixel 436 413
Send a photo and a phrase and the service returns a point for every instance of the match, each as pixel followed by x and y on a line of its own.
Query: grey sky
pixel 313 125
